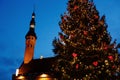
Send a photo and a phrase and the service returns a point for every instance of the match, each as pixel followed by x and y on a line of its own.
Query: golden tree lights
pixel 87 47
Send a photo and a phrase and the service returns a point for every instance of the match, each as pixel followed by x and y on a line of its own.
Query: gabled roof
pixel 38 66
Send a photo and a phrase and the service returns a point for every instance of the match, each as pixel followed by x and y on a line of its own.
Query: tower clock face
pixel 30 40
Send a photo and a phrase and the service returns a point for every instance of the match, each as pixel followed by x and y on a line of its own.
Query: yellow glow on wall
pixel 43 75
pixel 21 77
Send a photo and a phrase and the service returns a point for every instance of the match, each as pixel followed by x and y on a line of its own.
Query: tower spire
pixel 30 41
pixel 32 22
pixel 32 27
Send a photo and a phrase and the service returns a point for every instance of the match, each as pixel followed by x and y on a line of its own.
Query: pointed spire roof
pixel 32 27
pixel 32 22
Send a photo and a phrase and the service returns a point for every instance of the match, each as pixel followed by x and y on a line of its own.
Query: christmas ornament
pixel 74 55
pixel 96 16
pixel 95 63
pixel 110 58
pixel 105 48
pixel 77 66
pixel 85 32
pixel 61 36
pixel 113 67
pixel 76 7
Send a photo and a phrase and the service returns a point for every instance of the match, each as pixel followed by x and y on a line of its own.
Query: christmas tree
pixel 84 48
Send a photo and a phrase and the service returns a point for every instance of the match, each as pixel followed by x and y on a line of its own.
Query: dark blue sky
pixel 15 16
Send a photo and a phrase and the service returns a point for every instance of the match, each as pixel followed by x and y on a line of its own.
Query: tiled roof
pixel 37 66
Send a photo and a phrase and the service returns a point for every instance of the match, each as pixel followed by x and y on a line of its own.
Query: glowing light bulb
pixel 17 72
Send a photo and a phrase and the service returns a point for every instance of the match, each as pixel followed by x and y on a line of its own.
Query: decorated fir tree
pixel 84 48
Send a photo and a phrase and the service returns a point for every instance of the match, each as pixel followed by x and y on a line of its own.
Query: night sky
pixel 15 16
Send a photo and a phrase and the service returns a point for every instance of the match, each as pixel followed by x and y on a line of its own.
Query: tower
pixel 35 69
pixel 30 41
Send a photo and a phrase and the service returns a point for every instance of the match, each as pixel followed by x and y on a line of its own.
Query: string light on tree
pixel 88 50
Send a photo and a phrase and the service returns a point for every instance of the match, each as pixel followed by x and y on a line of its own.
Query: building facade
pixel 34 69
